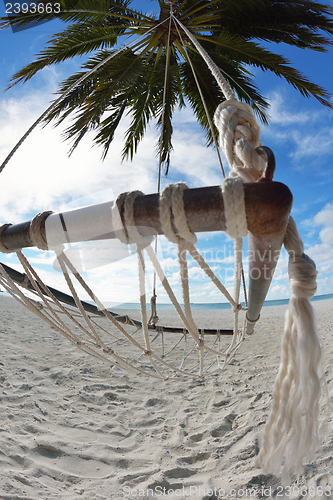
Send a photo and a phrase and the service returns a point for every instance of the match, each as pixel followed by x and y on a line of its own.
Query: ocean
pixel 199 306
pixel 214 305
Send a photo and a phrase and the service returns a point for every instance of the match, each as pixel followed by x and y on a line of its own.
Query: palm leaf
pixel 113 83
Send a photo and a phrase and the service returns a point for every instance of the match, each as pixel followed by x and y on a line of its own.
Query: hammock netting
pixel 163 352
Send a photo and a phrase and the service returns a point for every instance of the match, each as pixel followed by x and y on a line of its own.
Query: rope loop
pixel 37 230
pixel 117 219
pixel 302 276
pixel 239 137
pixel 237 308
pixel 200 345
pixel 124 223
pixel 301 268
pixel 3 248
pixel 108 350
pixel 153 320
pixel 172 204
pixel 234 207
pixel 252 321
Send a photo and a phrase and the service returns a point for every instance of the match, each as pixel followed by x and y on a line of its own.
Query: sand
pixel 71 427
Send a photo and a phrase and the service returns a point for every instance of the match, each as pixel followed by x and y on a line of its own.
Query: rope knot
pixel 124 223
pixel 302 276
pixel 172 204
pixel 237 308
pixel 252 321
pixel 200 345
pixel 239 137
pixel 108 350
pixel 37 230
pixel 153 320
pixel 234 207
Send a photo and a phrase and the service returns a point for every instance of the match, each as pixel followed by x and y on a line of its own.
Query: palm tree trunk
pixel 165 11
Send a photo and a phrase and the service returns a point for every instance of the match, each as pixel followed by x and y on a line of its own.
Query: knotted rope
pixel 172 213
pixel 126 230
pixel 174 225
pixel 172 204
pixel 239 136
pixel 234 207
pixel 291 430
pixel 236 224
pixel 37 230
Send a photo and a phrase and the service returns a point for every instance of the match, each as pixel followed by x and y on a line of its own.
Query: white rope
pixel 174 225
pixel 210 123
pixel 167 58
pixel 291 430
pixel 37 230
pixel 234 207
pixel 122 212
pixel 172 204
pixel 239 138
pixel 223 84
pixel 238 130
pixel 236 228
pixel 292 426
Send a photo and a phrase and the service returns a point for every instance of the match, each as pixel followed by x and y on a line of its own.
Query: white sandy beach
pixel 73 428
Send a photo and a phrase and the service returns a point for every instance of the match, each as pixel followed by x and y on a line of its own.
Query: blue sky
pixel 41 176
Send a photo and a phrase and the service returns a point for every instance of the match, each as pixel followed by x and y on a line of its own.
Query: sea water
pixel 217 305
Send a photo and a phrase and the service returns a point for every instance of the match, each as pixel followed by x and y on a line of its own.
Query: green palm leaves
pixel 115 83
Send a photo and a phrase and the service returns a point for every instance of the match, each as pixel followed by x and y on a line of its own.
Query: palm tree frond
pixel 113 84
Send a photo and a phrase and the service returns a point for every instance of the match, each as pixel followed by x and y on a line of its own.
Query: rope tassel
pixel 291 430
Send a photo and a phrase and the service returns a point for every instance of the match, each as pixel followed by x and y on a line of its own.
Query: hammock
pixel 249 203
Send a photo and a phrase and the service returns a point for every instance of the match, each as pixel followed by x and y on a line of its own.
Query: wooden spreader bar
pixel 268 205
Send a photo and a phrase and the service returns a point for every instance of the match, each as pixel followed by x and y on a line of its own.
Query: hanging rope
pixel 223 84
pixel 291 430
pixel 210 123
pixel 239 138
pixel 153 320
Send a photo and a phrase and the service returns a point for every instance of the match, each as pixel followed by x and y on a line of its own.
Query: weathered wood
pixel 267 203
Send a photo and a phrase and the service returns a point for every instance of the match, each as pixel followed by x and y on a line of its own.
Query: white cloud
pixel 315 144
pixel 320 252
pixel 323 251
pixel 327 268
pixel 278 292
pixel 280 113
pixel 325 216
pixel 326 235
pixel 306 133
pixel 40 176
